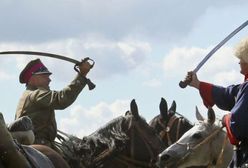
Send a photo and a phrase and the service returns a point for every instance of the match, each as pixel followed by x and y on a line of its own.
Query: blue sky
pixel 142 49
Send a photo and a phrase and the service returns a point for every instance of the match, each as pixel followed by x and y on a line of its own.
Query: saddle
pixel 35 158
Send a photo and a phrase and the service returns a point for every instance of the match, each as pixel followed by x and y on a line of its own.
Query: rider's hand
pixel 192 77
pixel 84 68
pixel 225 119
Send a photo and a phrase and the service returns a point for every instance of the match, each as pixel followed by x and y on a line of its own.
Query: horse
pixel 124 142
pixel 168 125
pixel 14 154
pixel 205 144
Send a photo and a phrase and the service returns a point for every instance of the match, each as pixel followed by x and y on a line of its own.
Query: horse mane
pixel 115 139
pixel 113 134
pixel 111 137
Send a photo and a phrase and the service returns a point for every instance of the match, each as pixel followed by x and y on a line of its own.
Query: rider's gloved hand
pixel 193 79
pixel 84 68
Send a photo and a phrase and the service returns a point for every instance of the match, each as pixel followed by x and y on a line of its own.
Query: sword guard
pixel 90 84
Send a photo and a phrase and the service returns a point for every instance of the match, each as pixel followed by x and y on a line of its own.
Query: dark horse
pixel 126 141
pixel 169 124
pixel 15 155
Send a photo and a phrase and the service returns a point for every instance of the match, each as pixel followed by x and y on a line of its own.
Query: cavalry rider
pixel 234 99
pixel 39 102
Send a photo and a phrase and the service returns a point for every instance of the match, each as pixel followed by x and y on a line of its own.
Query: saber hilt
pixel 184 84
pixel 90 84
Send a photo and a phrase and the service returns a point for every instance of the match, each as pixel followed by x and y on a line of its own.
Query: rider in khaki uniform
pixel 39 102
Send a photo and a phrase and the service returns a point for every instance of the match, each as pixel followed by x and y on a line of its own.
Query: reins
pixel 130 161
pixel 207 139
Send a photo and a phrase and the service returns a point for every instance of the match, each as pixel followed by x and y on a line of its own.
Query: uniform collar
pixel 30 87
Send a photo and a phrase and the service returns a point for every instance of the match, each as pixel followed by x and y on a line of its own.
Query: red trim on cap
pixel 29 72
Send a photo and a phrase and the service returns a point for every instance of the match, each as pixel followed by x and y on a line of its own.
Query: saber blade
pixel 90 84
pixel 184 83
pixel 42 54
pixel 220 45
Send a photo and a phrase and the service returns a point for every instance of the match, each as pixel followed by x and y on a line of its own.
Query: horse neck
pixel 148 135
pixel 222 150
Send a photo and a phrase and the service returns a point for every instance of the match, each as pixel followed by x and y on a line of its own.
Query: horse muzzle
pixel 167 159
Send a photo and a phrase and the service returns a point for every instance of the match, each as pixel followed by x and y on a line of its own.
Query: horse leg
pixel 56 159
pixel 9 155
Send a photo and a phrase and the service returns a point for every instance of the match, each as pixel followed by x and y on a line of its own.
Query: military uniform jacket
pixel 39 104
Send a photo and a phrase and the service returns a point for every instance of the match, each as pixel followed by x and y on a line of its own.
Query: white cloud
pixel 111 57
pixel 48 20
pixel 227 77
pixel 153 83
pixel 221 68
pixel 82 121
pixel 180 60
pixel 4 76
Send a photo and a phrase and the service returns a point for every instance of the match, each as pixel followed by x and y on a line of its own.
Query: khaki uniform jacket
pixel 39 104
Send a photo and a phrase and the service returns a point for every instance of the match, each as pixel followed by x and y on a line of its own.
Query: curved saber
pixel 184 83
pixel 220 45
pixel 90 84
pixel 42 54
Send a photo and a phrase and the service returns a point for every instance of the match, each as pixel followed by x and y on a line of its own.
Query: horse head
pixel 125 141
pixel 144 141
pixel 169 124
pixel 205 144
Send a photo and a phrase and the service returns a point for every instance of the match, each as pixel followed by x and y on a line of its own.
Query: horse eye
pixel 197 136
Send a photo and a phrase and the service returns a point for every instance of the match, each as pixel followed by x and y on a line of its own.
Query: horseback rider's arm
pixel 213 94
pixel 59 99
pixel 224 98
pixel 65 97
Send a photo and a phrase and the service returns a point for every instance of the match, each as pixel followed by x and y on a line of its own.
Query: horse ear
pixel 134 109
pixel 198 115
pixel 173 107
pixel 163 108
pixel 211 115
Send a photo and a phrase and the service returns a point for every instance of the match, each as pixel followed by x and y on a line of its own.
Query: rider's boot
pixel 9 155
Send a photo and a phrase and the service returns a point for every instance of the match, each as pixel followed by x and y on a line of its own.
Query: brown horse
pixel 13 154
pixel 54 157
pixel 169 124
pixel 126 141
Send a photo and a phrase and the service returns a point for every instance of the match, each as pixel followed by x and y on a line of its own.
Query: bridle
pixel 191 147
pixel 131 161
pixel 165 133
